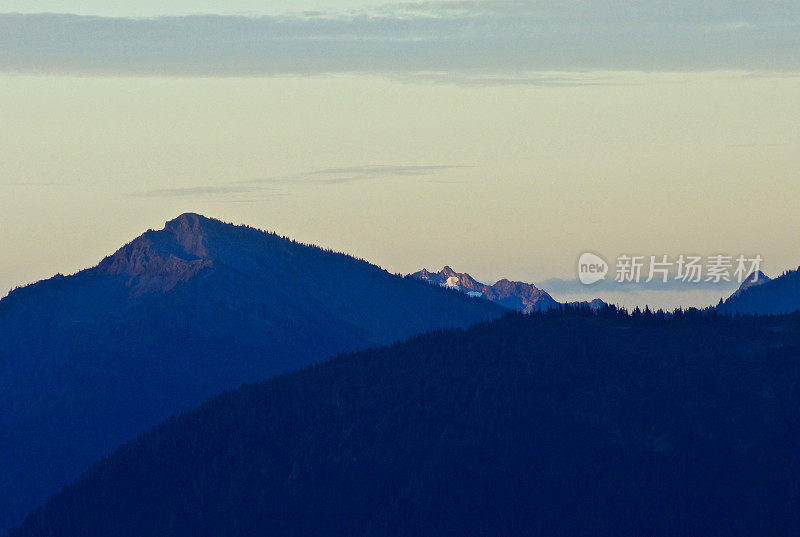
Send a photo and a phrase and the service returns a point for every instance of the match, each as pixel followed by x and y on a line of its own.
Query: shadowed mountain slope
pixel 764 296
pixel 562 423
pixel 90 360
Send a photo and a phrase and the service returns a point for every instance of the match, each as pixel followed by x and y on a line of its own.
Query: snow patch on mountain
pixel 521 296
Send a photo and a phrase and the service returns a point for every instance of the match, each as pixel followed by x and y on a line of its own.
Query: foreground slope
pixel 90 360
pixel 553 424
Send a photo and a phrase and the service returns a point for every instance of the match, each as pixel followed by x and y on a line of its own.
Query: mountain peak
pixel 174 316
pixel 764 296
pixel 756 277
pixel 159 260
pixel 190 222
pixel 448 271
pixel 753 280
pixel 521 296
pixel 190 231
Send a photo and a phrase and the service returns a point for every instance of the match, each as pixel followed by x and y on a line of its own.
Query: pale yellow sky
pixel 532 175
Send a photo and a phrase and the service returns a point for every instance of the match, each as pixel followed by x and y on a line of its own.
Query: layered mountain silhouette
pixel 524 297
pixel 595 304
pixel 761 295
pixel 560 423
pixel 92 359
pixel 519 296
pixel 753 280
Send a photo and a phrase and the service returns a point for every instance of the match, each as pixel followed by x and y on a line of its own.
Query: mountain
pixel 92 359
pixel 524 297
pixel 594 305
pixel 764 296
pixel 754 280
pixel 520 296
pixel 560 423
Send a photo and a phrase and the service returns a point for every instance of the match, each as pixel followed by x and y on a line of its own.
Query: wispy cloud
pixel 258 188
pixel 377 171
pixel 333 176
pixel 546 80
pixel 195 191
pixel 757 145
pixel 467 42
pixel 38 184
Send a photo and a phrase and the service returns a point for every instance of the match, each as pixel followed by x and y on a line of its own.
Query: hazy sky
pixel 154 8
pixel 501 138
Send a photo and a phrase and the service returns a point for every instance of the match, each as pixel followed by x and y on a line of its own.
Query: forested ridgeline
pixel 560 423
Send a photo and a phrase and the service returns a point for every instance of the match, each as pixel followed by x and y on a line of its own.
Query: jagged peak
pixel 190 230
pixel 158 260
pixel 756 277
pixel 187 222
pixel 753 280
pixel 505 283
pixel 523 296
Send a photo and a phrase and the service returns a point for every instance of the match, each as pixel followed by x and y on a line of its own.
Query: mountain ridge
pixel 91 359
pixel 524 297
pixel 765 296
pixel 560 423
pixel 514 295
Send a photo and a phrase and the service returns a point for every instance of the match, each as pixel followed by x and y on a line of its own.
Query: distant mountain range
pixel 90 360
pixel 520 296
pixel 559 424
pixel 759 294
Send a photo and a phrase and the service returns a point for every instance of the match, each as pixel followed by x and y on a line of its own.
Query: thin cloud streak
pixel 544 80
pixel 195 191
pixel 326 176
pixel 334 176
pixel 466 42
pixel 385 170
pixel 38 184
pixel 758 145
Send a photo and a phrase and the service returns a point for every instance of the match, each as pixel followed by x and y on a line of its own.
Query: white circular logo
pixel 591 268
